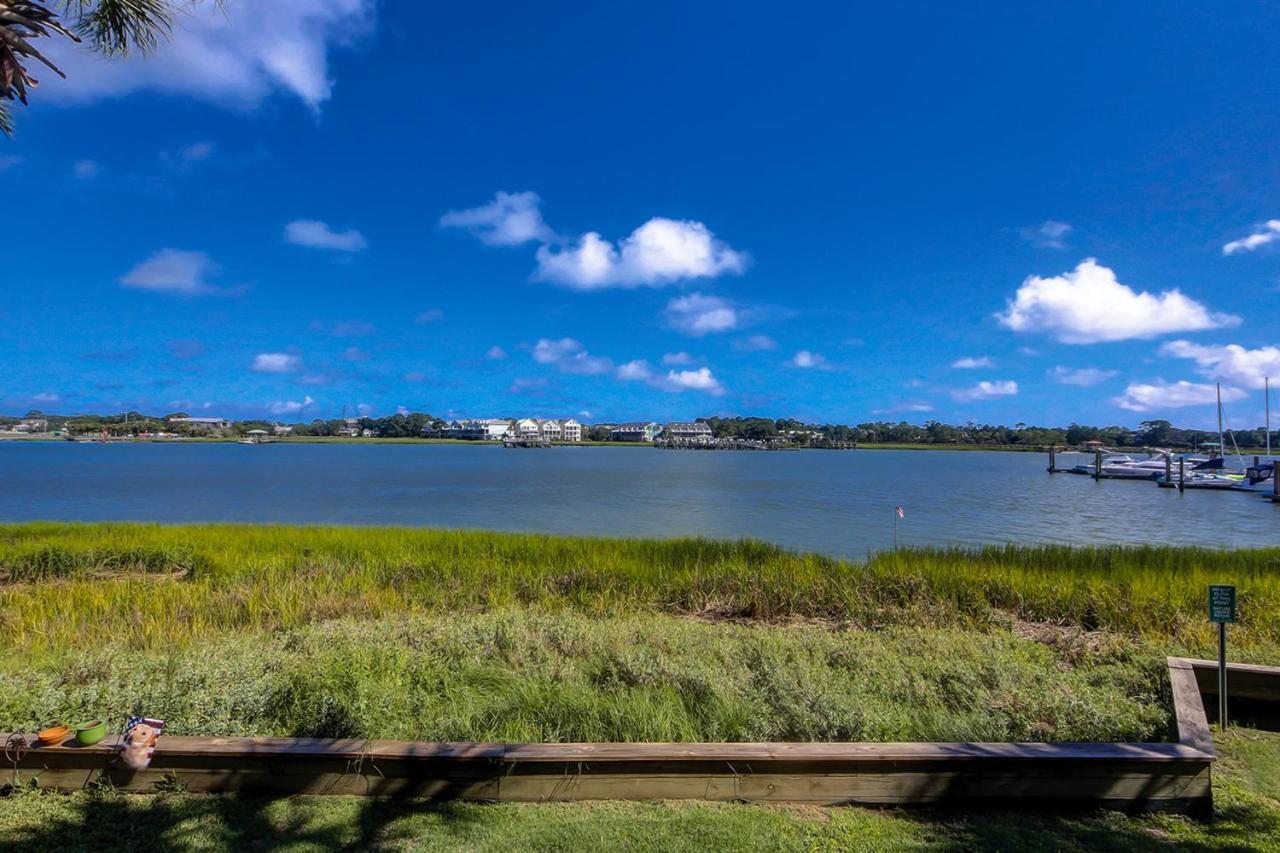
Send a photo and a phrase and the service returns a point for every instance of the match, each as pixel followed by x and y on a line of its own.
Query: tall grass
pixel 531 675
pixel 65 585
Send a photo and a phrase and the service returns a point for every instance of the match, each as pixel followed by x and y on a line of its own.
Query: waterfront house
pixel 201 425
pixel 635 431
pixel 527 429
pixel 550 430
pixel 570 430
pixel 32 425
pixel 477 429
pixel 697 432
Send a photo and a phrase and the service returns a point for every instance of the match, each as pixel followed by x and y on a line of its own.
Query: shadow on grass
pixel 112 822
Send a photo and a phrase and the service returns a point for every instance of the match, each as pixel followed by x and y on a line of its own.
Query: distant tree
pixel 1155 432
pixel 599 433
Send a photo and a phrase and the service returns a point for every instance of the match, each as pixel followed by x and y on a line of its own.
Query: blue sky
pixel 837 212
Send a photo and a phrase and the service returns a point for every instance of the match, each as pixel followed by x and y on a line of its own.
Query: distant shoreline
pixel 1007 448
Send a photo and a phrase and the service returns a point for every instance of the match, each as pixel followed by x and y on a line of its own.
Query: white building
pixel 635 431
pixel 527 429
pixel 698 432
pixel 478 429
pixel 570 430
pixel 202 424
pixel 550 430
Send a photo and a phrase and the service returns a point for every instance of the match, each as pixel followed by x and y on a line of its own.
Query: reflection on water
pixel 838 502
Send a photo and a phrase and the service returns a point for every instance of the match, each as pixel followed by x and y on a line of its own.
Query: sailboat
pixel 1260 477
pixel 1211 473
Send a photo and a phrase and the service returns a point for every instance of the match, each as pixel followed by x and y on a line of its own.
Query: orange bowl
pixel 54 735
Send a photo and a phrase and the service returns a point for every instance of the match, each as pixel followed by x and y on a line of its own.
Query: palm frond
pixel 116 27
pixel 6 119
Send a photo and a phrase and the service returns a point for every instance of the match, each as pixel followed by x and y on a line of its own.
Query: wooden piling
pixel 1182 474
pixel 1097 464
pixel 1168 469
pixel 1053 465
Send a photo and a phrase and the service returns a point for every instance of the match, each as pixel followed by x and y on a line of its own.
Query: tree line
pixel 1152 433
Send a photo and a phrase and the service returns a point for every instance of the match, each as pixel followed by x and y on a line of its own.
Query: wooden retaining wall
pixel 1132 777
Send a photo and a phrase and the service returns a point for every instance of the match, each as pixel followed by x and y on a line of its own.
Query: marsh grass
pixel 531 675
pixel 65 585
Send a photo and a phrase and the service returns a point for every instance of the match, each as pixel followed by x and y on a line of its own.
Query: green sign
pixel 1222 603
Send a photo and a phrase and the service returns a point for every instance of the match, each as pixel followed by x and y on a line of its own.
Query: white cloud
pixel 318 235
pixel 1047 235
pixel 570 356
pixel 237 56
pixel 986 391
pixel 677 358
pixel 496 353
pixel 1231 363
pixel 1081 376
pixel 806 359
pixel 971 362
pixel 701 379
pixel 276 362
pixel 289 407
pixel 1268 233
pixel 173 271
pixel 1143 397
pixel 659 252
pixel 46 397
pixel 638 370
pixel 1088 305
pixel 755 343
pixel 699 314
pixel 511 219
pixel 85 169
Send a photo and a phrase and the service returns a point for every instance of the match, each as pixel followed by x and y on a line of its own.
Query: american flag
pixel 902 513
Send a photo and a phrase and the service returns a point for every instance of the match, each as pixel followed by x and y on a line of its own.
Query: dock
pixel 1048 776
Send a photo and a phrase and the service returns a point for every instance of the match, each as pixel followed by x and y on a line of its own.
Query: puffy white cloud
pixel 755 343
pixel 289 407
pixel 1088 305
pixel 1081 376
pixel 806 359
pixel 677 358
pixel 1231 363
pixel 701 379
pixel 971 362
pixel 318 235
pixel 1047 235
pixel 570 356
pixel 635 371
pixel 511 219
pixel 1143 397
pixel 237 56
pixel 986 390
pixel 699 314
pixel 276 362
pixel 173 271
pixel 1268 233
pixel 659 252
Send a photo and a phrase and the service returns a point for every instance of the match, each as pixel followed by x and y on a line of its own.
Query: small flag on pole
pixel 900 511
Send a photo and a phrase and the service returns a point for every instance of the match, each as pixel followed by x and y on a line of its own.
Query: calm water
pixel 835 502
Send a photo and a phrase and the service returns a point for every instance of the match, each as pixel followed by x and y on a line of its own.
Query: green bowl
pixel 87 734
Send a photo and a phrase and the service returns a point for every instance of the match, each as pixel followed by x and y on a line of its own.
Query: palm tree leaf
pixel 116 27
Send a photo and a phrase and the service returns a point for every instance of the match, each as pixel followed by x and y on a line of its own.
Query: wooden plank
pixel 1244 681
pixel 1188 707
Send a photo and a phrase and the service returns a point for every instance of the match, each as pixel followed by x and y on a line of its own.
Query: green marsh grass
pixel 62 585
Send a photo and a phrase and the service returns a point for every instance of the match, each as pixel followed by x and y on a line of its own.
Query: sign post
pixel 1222 609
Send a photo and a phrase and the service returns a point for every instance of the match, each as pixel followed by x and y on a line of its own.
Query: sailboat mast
pixel 1222 448
pixel 1266 384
